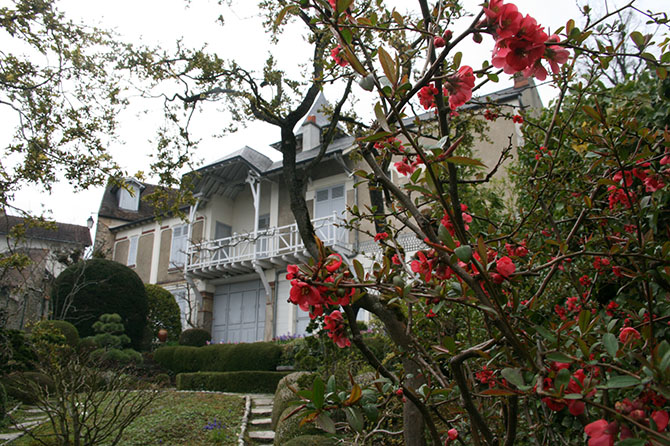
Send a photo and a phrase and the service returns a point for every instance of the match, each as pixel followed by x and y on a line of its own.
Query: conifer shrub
pixel 194 337
pixel 85 291
pixel 164 312
pixel 65 328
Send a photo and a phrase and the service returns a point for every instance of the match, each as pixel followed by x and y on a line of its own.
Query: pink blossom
pixel 505 267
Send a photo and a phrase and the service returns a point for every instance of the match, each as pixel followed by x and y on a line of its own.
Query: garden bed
pixel 182 419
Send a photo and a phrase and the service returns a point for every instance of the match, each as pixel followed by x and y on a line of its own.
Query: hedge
pixel 247 381
pixel 262 356
pixel 195 337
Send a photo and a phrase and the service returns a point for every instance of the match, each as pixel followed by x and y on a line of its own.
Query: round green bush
pixel 115 356
pixel 19 385
pixel 194 337
pixel 85 291
pixel 164 312
pixel 310 440
pixel 63 327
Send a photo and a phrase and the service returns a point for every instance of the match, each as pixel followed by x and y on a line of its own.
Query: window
pixel 129 199
pixel 132 250
pixel 178 249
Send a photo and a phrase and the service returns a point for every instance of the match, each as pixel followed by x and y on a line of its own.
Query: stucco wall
pixel 121 251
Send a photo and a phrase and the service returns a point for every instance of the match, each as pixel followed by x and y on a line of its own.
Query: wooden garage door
pixel 239 312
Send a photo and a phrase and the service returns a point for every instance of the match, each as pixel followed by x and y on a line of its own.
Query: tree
pixel 87 290
pixel 163 312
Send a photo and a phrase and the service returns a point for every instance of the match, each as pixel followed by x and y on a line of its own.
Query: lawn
pixel 181 419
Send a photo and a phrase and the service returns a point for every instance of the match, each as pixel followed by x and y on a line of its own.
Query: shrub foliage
pixel 163 312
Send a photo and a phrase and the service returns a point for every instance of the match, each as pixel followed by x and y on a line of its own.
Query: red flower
pixel 333 262
pixel 505 267
pixel 427 96
pixel 460 87
pixel 439 42
pixel 292 270
pixel 422 266
pixel 304 295
pixel 333 322
pixel 517 119
pixel 335 54
pixel 661 418
pixel 628 334
pixel 381 236
pixel 601 432
pixel 404 168
pixel 452 434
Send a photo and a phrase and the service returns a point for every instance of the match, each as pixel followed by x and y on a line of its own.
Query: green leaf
pixel 343 5
pixel 283 13
pixel 464 253
pixel 638 39
pixel 326 423
pixel 493 77
pixel 370 411
pixel 381 117
pixel 330 386
pixel 360 272
pixel 584 319
pixel 622 381
pixel 665 362
pixel 562 379
pixel 611 344
pixel 388 65
pixel 318 390
pixel 559 357
pixel 546 334
pixel 354 418
pixel 375 137
pixel 513 376
pixel 592 113
pixel 457 60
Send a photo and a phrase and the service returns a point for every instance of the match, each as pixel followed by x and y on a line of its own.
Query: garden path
pixel 30 417
pixel 259 431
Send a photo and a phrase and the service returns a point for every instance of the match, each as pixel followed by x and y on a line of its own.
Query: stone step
pixel 33 410
pixel 261 410
pixel 262 401
pixel 8 436
pixel 261 421
pixel 262 435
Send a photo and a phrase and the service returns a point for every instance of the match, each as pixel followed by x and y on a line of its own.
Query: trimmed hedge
pixel 247 381
pixel 195 337
pixel 164 312
pixel 262 356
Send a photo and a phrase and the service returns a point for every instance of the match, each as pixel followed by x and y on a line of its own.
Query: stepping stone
pixel 262 435
pixel 261 410
pixel 261 421
pixel 263 401
pixel 33 410
pixel 10 436
pixel 28 424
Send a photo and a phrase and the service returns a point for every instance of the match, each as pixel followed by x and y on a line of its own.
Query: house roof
pixel 109 205
pixel 62 232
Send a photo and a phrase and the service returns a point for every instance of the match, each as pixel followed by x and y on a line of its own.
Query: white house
pixel 227 266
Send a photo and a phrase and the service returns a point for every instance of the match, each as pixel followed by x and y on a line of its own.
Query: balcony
pixel 270 248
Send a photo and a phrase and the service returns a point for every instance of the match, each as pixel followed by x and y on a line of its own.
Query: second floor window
pixel 132 250
pixel 178 248
pixel 129 199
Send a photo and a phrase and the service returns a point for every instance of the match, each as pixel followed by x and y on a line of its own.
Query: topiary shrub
pixel 17 354
pixel 310 440
pixel 247 381
pixel 85 291
pixel 164 312
pixel 65 328
pixel 163 356
pixel 194 337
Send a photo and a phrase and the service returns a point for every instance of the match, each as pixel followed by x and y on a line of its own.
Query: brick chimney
pixel 520 81
pixel 311 134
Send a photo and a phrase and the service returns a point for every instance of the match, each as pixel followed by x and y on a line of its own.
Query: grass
pixel 181 419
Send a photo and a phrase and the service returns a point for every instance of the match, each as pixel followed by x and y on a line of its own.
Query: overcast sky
pixel 162 22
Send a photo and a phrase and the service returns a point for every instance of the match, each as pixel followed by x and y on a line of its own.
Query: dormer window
pixel 129 197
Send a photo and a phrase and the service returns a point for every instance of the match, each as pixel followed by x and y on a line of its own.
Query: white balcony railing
pixel 267 244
